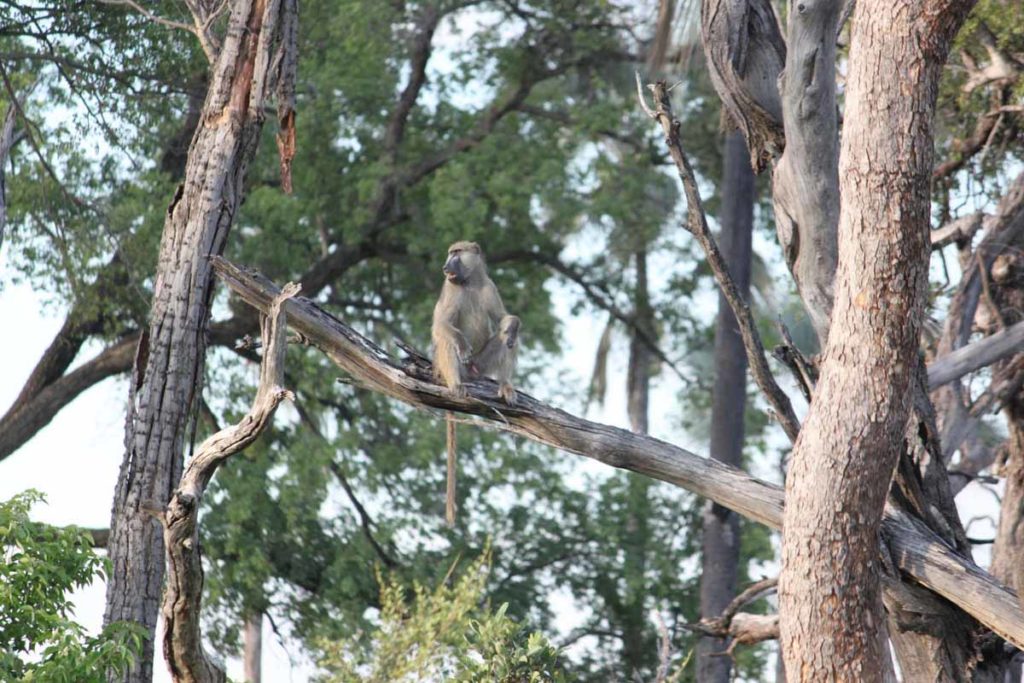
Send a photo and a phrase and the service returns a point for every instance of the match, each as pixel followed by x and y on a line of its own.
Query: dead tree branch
pixel 984 352
pixel 915 550
pixel 183 649
pixel 742 628
pixel 698 225
pixel 959 230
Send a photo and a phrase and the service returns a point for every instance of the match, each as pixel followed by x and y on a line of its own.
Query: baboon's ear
pixel 474 247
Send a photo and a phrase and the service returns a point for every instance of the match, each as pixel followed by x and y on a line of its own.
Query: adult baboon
pixel 473 336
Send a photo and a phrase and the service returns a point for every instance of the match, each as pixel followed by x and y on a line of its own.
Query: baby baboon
pixel 473 336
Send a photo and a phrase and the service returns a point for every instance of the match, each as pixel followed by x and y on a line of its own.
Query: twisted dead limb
pixel 183 649
pixel 697 224
pixel 921 557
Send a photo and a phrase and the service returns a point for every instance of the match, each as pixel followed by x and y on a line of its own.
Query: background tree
pixel 720 549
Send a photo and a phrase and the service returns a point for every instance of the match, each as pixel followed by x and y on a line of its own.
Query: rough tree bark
pixel 832 623
pixel 257 55
pixel 721 532
pixel 914 549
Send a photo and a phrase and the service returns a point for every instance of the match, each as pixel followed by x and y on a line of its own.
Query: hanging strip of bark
pixel 915 550
pixel 783 99
pixel 183 647
pixel 745 54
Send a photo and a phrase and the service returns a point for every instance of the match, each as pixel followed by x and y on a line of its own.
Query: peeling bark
pixel 782 97
pixel 745 56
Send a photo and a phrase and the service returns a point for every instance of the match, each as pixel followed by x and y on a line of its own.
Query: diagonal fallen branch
pixel 183 649
pixel 984 352
pixel 920 555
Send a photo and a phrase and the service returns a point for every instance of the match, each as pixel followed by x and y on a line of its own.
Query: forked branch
pixel 742 628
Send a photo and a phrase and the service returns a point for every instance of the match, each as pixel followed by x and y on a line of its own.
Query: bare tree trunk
pixel 168 369
pixel 253 657
pixel 832 620
pixel 635 650
pixel 721 533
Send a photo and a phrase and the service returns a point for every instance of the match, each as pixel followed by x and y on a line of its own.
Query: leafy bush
pixel 40 566
pixel 447 634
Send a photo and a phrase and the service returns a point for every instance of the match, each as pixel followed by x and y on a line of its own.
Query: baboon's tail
pixel 449 503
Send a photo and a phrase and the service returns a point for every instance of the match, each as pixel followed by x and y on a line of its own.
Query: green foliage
pixel 448 633
pixel 39 641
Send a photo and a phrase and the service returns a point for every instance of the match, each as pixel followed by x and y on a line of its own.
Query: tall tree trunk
pixel 832 623
pixel 635 650
pixel 253 656
pixel 721 534
pixel 168 370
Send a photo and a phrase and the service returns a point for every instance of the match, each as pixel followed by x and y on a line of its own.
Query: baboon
pixel 473 336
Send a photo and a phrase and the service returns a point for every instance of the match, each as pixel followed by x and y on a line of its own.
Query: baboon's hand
pixel 512 332
pixel 507 393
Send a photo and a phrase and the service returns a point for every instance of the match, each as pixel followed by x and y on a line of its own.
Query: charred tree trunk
pixel 168 370
pixel 721 533
pixel 832 624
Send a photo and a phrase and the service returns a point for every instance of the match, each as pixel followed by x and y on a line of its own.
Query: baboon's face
pixel 463 260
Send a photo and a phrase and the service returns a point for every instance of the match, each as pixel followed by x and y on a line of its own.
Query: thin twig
pixel 155 18
pixel 35 145
pixel 698 225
